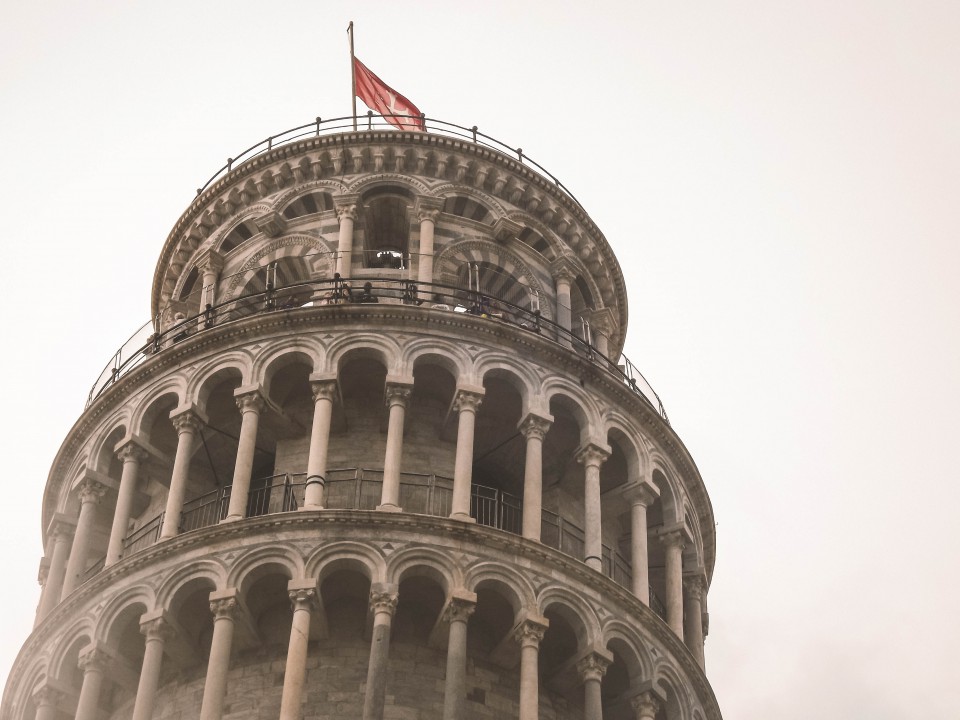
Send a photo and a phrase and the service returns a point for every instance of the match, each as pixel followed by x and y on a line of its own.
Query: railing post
pixel 474 131
pixel 358 484
pixel 369 119
pixel 270 143
pixel 318 126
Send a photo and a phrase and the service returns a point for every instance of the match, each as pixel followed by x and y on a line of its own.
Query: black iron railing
pixel 360 489
pixel 371 121
pixel 338 292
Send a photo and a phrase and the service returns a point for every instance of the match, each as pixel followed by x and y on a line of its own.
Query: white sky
pixel 780 181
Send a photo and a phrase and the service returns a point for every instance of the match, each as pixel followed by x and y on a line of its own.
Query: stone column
pixel 223 605
pixel 303 595
pixel 383 603
pixel 131 455
pixel 157 630
pixel 458 612
pixel 529 633
pixel 347 213
pixel 250 402
pixel 398 393
pixel 640 496
pixel 693 633
pixel 186 421
pixel 59 535
pixel 673 544
pixel 533 428
pixel 563 274
pixel 427 211
pixel 603 321
pixel 592 457
pixel 46 699
pixel 465 403
pixel 324 391
pixel 592 668
pixel 645 706
pixel 210 264
pixel 90 492
pixel 93 662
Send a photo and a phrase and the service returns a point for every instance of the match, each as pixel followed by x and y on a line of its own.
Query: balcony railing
pixel 359 489
pixel 338 292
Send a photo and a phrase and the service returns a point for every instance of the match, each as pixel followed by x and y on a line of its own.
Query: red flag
pixel 379 96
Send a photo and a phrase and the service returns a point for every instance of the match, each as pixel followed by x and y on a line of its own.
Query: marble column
pixel 46 699
pixel 347 213
pixel 383 603
pixel 533 428
pixel 640 496
pixel 132 456
pixel 673 544
pixel 529 633
pixel 645 706
pixel 397 395
pixel 303 595
pixel 223 605
pixel 210 264
pixel 157 631
pixel 466 403
pixel 693 633
pixel 324 389
pixel 592 456
pixel 59 536
pixel 250 402
pixel 427 211
pixel 90 492
pixel 458 612
pixel 564 273
pixel 93 663
pixel 187 422
pixel 592 668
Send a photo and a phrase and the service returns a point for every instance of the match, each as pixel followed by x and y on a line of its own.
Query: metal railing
pixel 337 291
pixel 360 489
pixel 372 121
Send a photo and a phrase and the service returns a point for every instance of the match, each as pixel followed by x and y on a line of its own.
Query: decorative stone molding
pixel 271 224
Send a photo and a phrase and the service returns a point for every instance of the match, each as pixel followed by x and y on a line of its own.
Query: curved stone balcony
pixel 433 588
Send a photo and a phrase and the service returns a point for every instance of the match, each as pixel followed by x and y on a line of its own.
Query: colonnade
pixel 159 629
pixel 68 560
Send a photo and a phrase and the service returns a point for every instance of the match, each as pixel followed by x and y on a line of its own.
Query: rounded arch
pixel 301 256
pixel 565 394
pixel 630 441
pixel 622 639
pixel 324 186
pixel 670 498
pixel 64 656
pixel 446 354
pixel 494 207
pixel 139 598
pixel 519 375
pixel 205 570
pixel 304 201
pixel 237 231
pixel 670 686
pixel 423 561
pixel 158 402
pixel 555 244
pixel 363 186
pixel 575 608
pixel 102 455
pixel 255 563
pixel 513 585
pixel 384 349
pixel 237 363
pixel 328 559
pixel 279 356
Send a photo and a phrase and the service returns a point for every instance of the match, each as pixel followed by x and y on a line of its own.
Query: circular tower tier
pixel 377 456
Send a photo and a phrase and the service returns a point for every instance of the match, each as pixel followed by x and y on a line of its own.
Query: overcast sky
pixel 779 180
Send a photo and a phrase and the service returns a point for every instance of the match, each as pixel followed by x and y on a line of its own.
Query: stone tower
pixel 378 455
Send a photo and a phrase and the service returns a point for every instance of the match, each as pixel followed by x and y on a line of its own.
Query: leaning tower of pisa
pixel 377 455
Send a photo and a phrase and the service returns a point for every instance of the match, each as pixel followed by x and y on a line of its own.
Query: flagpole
pixel 353 76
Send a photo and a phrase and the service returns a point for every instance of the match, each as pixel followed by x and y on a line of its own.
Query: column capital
pixel 43 570
pixel 249 398
pixel 535 426
pixel 468 398
pixel 187 418
pixel 563 268
pixel 323 389
pixel 93 658
pixel 131 451
pixel 695 585
pixel 428 203
pixel 303 594
pixel 61 526
pixel 592 454
pixel 209 261
pixel 397 391
pixel 460 606
pixel 47 695
pixel 383 598
pixel 674 538
pixel 224 603
pixel 346 207
pixel 530 631
pixel 603 319
pixel 505 229
pixel 645 705
pixel 640 493
pixel 90 491
pixel 594 664
pixel 155 626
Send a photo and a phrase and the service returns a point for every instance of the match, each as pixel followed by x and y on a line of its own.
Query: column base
pixel 311 507
pixel 231 518
pixel 463 517
pixel 594 563
pixel 389 507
